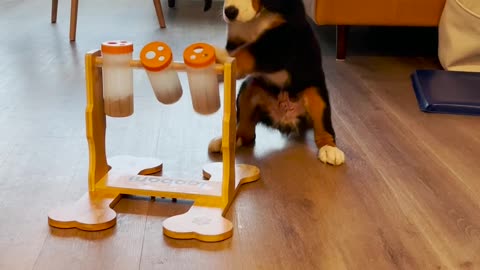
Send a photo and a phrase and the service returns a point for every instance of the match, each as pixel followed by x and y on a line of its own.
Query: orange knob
pixel 156 56
pixel 199 55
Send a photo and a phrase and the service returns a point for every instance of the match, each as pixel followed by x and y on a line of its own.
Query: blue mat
pixel 448 92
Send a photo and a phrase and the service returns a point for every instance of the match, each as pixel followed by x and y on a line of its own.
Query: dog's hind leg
pixel 319 112
pixel 249 98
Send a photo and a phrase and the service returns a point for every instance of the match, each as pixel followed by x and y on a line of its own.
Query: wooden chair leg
pixel 54 11
pixel 73 19
pixel 341 41
pixel 159 11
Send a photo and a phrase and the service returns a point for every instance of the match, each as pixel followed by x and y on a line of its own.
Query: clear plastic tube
pixel 117 78
pixel 199 59
pixel 204 90
pixel 156 57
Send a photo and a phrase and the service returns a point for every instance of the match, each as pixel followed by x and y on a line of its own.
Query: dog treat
pixel 157 59
pixel 199 59
pixel 117 78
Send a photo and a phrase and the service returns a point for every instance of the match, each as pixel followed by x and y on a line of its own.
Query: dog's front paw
pixel 215 145
pixel 221 55
pixel 332 155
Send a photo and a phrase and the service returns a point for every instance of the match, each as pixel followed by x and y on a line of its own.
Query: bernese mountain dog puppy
pixel 278 56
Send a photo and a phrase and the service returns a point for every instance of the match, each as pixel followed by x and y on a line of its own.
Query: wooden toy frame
pixel 109 179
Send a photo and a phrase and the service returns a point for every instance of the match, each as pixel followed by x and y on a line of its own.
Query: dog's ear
pixel 276 5
pixel 282 6
pixel 208 5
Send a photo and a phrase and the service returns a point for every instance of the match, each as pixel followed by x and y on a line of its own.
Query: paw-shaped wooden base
pixel 206 223
pixel 93 212
pixel 202 221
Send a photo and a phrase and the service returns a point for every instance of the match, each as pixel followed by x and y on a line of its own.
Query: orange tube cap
pixel 117 47
pixel 156 56
pixel 199 55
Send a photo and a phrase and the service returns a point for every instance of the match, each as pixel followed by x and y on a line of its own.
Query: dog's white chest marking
pixel 279 78
pixel 253 29
pixel 284 111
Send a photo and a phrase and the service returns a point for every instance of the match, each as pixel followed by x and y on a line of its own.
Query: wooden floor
pixel 407 197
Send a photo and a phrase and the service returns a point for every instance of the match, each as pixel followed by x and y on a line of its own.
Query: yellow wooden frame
pixel 109 178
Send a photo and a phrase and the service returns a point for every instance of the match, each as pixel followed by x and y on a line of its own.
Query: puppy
pixel 279 56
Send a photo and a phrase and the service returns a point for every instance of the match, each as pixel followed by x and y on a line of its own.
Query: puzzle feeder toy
pixel 109 85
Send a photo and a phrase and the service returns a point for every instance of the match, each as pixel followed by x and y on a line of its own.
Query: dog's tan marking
pixel 247 103
pixel 327 149
pixel 315 106
pixel 256 5
pixel 245 62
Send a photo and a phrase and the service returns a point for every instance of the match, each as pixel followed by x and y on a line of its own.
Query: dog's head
pixel 246 10
pixel 241 10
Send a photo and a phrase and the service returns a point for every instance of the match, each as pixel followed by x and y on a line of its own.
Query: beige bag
pixel 459 35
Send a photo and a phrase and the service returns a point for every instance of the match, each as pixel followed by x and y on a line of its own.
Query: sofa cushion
pixel 375 12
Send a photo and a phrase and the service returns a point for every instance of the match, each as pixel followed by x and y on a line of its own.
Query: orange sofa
pixel 345 13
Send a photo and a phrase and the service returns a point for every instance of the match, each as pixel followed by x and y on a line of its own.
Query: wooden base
pixel 130 175
pixel 93 212
pixel 206 222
